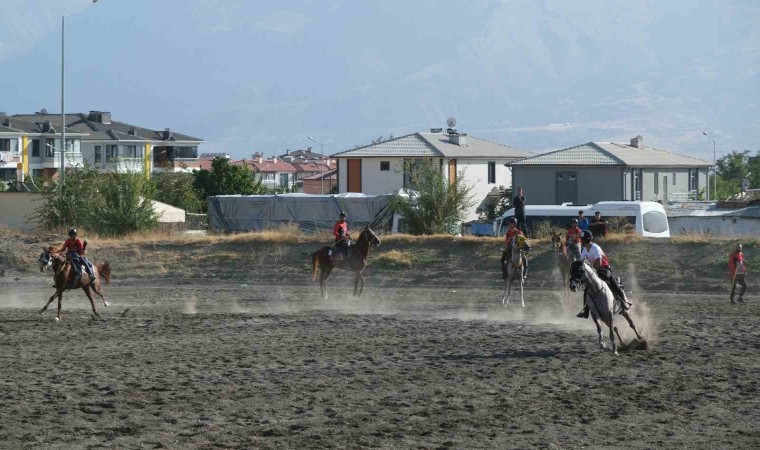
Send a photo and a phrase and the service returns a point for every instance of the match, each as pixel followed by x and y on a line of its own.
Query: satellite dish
pixel 452 122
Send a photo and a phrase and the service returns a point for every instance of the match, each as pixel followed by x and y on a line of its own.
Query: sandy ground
pixel 241 366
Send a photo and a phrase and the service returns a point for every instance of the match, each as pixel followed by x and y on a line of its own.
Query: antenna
pixel 451 122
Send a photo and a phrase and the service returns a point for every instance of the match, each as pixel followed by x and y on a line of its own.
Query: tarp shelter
pixel 704 217
pixel 229 213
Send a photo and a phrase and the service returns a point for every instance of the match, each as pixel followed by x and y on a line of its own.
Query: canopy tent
pixel 228 213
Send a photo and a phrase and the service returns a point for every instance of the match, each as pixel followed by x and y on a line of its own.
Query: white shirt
pixel 594 253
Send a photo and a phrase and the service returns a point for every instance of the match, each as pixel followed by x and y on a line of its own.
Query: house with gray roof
pixel 609 171
pixel 121 147
pixel 378 168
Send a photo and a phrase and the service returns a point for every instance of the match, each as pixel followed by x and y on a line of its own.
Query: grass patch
pixel 394 258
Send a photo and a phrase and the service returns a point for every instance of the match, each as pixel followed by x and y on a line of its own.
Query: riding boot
pixel 75 280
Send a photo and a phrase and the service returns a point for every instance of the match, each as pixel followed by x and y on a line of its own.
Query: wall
pixel 316 186
pixel 16 207
pixel 375 181
pixel 595 184
pixel 476 176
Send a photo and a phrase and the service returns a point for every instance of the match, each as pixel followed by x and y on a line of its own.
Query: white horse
pixel 514 271
pixel 600 301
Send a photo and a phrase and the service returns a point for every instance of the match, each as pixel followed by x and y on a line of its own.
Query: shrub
pixel 126 204
pixel 176 189
pixel 73 204
pixel 437 206
pixel 226 179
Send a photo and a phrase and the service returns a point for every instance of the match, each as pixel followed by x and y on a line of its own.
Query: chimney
pixel 167 134
pixel 459 139
pixel 132 131
pixel 46 128
pixel 636 142
pixel 274 159
pixel 7 122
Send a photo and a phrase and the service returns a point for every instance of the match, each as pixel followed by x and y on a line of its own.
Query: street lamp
pixel 321 167
pixel 63 88
pixel 715 170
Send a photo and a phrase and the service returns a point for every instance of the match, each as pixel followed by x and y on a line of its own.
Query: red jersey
pixel 736 263
pixel 74 245
pixel 509 235
pixel 573 235
pixel 340 226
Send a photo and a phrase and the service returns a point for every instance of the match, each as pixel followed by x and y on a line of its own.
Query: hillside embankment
pixel 685 264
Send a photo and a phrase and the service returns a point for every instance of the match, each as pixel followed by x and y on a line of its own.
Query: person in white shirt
pixel 598 260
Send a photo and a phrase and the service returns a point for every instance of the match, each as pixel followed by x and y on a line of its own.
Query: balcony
pixel 9 159
pixel 73 159
pixel 123 165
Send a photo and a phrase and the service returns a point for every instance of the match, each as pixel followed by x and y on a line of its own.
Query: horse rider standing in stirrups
pixel 342 238
pixel 599 261
pixel 738 271
pixel 74 248
pixel 513 233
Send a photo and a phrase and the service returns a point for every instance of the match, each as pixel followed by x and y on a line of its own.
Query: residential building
pixel 599 171
pixel 273 172
pixel 379 168
pixel 33 148
pixel 302 156
pixel 121 147
pixel 320 183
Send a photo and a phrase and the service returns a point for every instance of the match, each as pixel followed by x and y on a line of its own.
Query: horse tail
pixel 105 272
pixel 314 261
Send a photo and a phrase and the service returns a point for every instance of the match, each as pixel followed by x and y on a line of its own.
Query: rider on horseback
pixel 514 234
pixel 598 260
pixel 342 238
pixel 74 248
pixel 572 236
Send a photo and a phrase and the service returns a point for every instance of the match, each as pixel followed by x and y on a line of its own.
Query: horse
pixel 601 302
pixel 356 263
pixel 63 274
pixel 514 271
pixel 564 259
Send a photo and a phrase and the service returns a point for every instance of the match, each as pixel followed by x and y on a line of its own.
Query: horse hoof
pixel 105 303
pixel 57 319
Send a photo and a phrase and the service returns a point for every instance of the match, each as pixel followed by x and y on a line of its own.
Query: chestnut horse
pixel 564 259
pixel 356 263
pixel 63 274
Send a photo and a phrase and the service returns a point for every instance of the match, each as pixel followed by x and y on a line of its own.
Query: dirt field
pixel 223 364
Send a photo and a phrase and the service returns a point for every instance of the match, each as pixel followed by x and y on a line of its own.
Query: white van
pixel 648 218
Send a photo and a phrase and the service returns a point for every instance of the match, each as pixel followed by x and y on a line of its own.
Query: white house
pixel 117 146
pixel 379 168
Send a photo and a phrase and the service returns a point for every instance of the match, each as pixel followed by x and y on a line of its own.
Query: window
pixel 655 222
pixel 49 147
pixel 35 148
pixel 98 151
pixel 284 178
pixel 491 172
pixel 5 145
pixel 112 152
pixel 656 183
pixel 70 148
pixel 385 166
pixel 131 151
pixel 268 176
pixel 674 178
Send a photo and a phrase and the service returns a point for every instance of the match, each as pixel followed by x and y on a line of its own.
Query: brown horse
pixel 356 263
pixel 564 259
pixel 63 274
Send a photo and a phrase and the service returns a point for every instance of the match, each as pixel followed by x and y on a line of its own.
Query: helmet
pixel 512 220
pixel 587 236
pixel 342 214
pixel 574 222
pixel 73 232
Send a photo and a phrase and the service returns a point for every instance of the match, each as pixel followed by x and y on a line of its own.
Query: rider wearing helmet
pixel 573 235
pixel 598 260
pixel 74 248
pixel 513 235
pixel 340 232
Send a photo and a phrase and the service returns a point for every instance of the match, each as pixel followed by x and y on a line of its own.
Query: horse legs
pixel 522 300
pixel 98 289
pixel 613 330
pixel 599 333
pixel 358 284
pixel 325 272
pixel 92 300
pixel 630 322
pixel 60 301
pixel 507 292
pixel 52 297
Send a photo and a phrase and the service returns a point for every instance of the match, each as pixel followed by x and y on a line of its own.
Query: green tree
pixel 127 206
pixel 73 204
pixel 732 168
pixel 226 179
pixel 176 189
pixel 436 206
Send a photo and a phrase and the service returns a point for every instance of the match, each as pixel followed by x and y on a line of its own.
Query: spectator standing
pixel 519 204
pixel 738 272
pixel 582 221
pixel 598 225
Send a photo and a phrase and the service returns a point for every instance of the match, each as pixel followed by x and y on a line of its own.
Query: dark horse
pixel 322 260
pixel 63 274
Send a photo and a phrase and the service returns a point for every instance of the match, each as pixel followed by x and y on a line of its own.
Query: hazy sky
pixel 263 75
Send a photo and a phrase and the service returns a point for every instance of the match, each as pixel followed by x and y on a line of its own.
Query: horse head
pixel 46 259
pixel 371 237
pixel 574 251
pixel 577 275
pixel 557 242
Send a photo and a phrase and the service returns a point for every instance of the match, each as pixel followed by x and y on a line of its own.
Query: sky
pixel 252 75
